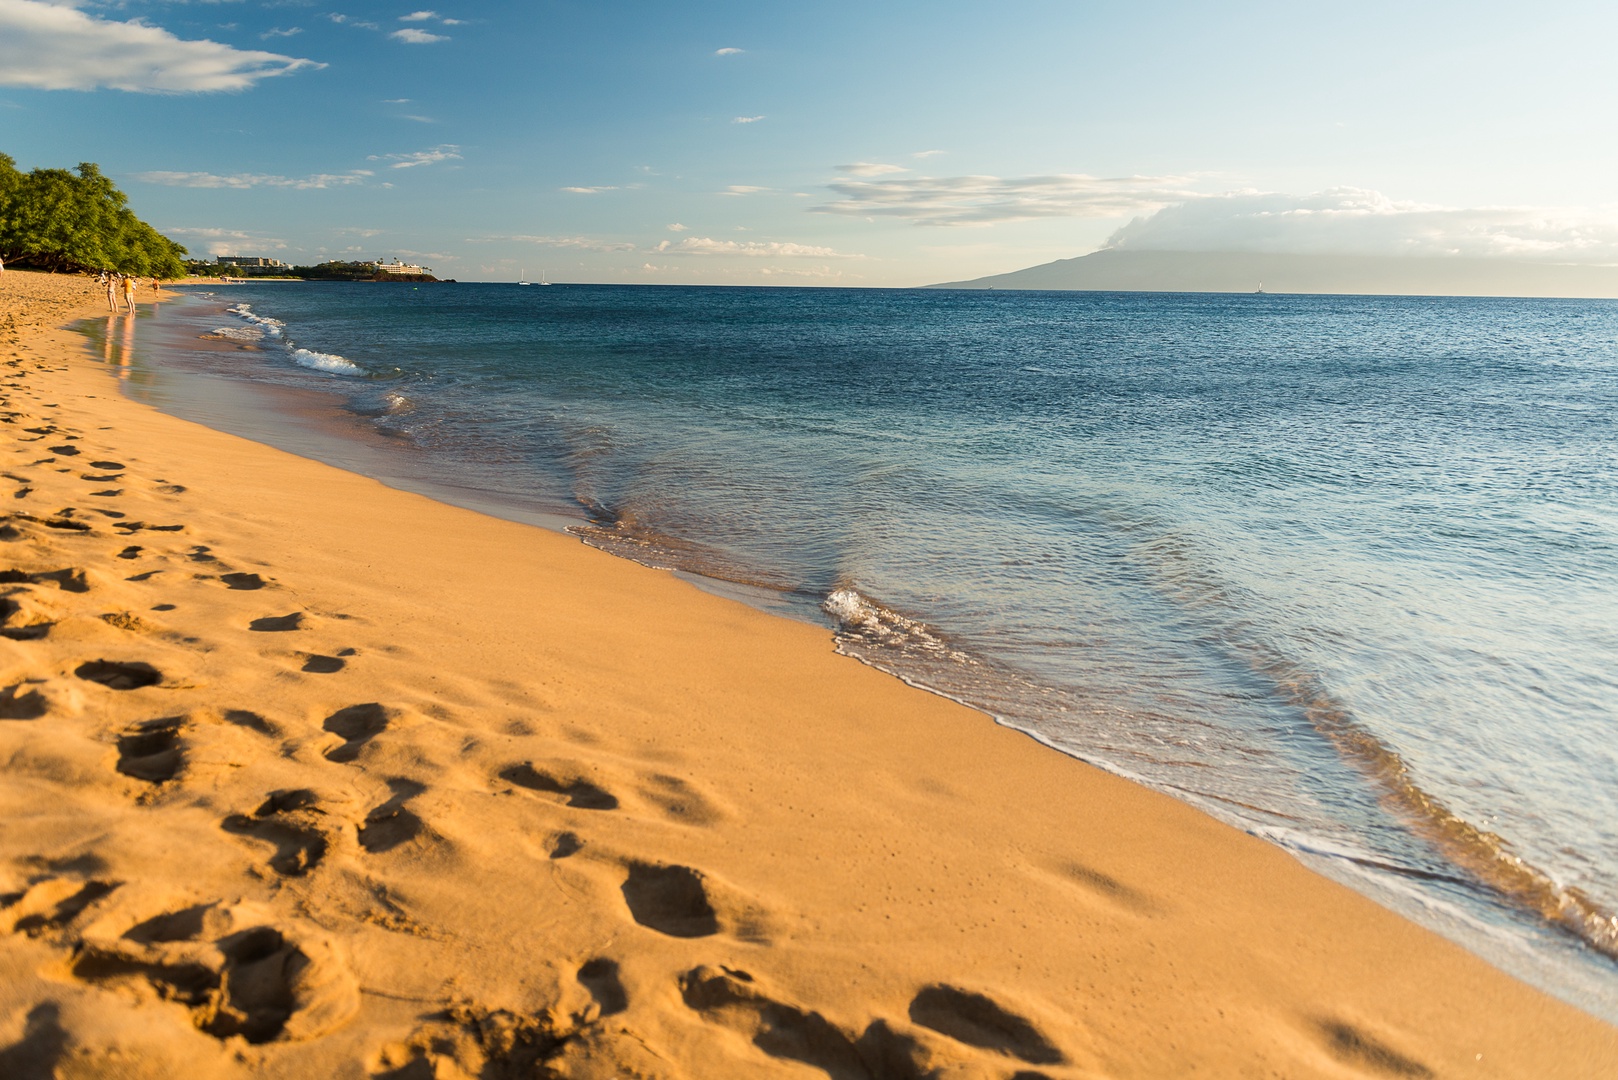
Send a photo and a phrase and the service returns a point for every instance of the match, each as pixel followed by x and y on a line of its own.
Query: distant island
pixel 253 266
pixel 1223 271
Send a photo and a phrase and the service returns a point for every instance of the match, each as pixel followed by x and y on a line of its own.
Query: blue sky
pixel 891 143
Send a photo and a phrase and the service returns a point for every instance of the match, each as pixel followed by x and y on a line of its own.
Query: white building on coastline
pixel 397 267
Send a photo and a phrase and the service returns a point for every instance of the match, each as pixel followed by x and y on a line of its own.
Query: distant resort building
pixel 397 267
pixel 252 261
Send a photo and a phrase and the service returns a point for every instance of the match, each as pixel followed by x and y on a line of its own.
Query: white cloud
pixel 990 200
pixel 346 21
pixel 926 153
pixel 743 189
pixel 412 36
pixel 591 190
pixel 417 119
pixel 226 241
pixel 418 16
pixel 1355 221
pixel 747 119
pixel 702 245
pixel 396 101
pixel 49 46
pixel 447 152
pixel 871 168
pixel 577 243
pixel 677 227
pixel 291 31
pixel 728 51
pixel 254 180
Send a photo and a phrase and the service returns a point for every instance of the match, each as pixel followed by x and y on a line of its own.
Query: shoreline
pixel 910 887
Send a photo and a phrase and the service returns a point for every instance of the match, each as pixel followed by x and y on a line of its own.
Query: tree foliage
pixel 58 220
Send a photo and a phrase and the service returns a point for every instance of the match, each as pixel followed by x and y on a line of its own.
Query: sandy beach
pixel 309 777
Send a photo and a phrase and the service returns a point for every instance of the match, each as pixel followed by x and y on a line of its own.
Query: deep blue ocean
pixel 1342 571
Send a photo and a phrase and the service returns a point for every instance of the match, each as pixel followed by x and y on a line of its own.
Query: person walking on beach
pixel 129 293
pixel 111 281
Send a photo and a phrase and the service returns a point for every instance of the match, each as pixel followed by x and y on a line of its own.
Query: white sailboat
pixel 542 280
pixel 522 278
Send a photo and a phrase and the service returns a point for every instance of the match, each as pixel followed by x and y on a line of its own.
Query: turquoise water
pixel 1341 570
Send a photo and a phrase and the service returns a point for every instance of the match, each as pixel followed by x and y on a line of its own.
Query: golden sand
pixel 307 777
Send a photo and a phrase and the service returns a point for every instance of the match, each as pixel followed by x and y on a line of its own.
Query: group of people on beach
pixel 120 287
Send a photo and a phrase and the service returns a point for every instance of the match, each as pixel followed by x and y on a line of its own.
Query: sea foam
pixel 331 362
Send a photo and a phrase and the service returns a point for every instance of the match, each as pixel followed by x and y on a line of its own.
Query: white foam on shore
pixel 270 327
pixel 329 362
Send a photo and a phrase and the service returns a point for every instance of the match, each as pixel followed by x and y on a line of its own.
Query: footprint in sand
pixel 152 750
pixel 392 824
pixel 50 905
pixel 242 581
pixel 294 823
pixel 357 725
pixel 734 999
pixel 978 1020
pixel 566 844
pixel 65 451
pixel 243 972
pixel 116 675
pixel 671 900
pixel 315 664
pixel 273 624
pixel 600 978
pixel 1357 1048
pixel 578 791
pixel 108 466
pixel 24 616
pixel 71 579
pixel 23 701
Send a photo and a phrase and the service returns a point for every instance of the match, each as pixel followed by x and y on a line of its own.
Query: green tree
pixel 59 220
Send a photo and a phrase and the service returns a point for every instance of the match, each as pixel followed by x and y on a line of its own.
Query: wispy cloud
pixel 990 200
pixel 291 31
pixel 447 152
pixel 345 20
pixel 411 36
pixel 743 189
pixel 746 119
pixel 1356 221
pixel 226 241
pixel 677 227
pixel 418 16
pixel 702 245
pixel 576 243
pixel 254 180
pixel 591 190
pixel 926 153
pixel 728 51
pixel 53 46
pixel 871 168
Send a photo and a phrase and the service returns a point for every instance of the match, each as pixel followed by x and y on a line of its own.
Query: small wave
pixel 1487 857
pixel 330 362
pixel 271 327
pixel 859 616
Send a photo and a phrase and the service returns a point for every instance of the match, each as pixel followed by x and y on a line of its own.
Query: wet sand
pixel 306 776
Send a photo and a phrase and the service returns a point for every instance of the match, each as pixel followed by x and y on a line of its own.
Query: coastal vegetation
pixel 77 221
pixel 327 271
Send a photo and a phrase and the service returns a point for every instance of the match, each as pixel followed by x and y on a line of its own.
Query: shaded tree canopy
pixel 58 220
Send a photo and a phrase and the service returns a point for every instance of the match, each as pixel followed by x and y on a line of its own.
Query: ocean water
pixel 1342 571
